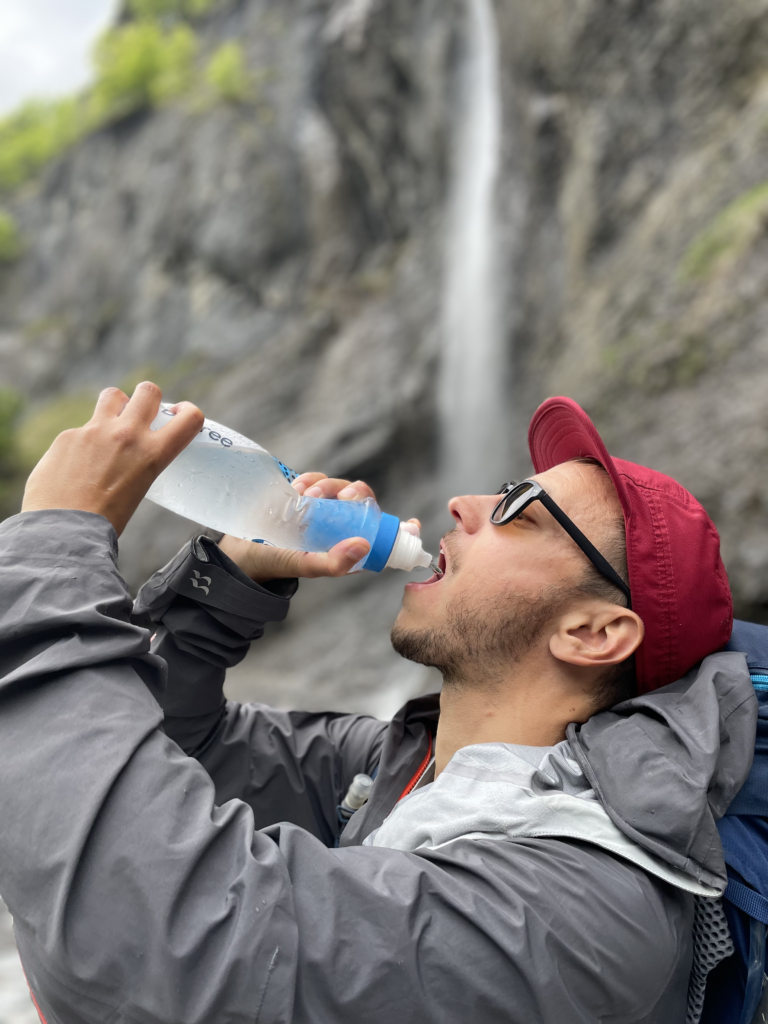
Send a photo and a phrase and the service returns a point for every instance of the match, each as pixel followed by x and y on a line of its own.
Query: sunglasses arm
pixel 589 549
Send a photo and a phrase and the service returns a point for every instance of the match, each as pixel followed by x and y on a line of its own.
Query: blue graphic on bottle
pixel 289 474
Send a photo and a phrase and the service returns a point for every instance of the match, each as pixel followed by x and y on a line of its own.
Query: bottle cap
pixel 358 792
pixel 385 541
pixel 407 551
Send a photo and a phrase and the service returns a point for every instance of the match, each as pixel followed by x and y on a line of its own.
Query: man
pixel 525 855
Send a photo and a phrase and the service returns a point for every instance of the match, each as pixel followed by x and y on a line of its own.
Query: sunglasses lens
pixel 508 503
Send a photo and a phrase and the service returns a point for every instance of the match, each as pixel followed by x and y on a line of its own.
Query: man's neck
pixel 531 710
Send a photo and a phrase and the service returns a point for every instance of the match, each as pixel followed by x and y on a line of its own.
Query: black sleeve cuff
pixel 202 573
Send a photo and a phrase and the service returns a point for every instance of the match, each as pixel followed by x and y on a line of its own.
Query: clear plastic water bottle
pixel 229 483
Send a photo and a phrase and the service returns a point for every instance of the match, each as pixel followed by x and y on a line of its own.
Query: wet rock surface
pixel 642 280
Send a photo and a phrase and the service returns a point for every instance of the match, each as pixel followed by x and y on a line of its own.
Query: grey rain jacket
pixel 151 886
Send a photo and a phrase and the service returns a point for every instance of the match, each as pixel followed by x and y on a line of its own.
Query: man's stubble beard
pixel 479 641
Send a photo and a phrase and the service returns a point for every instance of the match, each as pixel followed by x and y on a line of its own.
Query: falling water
pixel 472 399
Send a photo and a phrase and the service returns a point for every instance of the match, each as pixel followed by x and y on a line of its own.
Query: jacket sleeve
pixel 137 900
pixel 287 765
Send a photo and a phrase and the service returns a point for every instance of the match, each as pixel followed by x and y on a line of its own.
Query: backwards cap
pixel 678 582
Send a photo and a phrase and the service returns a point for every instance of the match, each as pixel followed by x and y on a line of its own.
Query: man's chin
pixel 420 645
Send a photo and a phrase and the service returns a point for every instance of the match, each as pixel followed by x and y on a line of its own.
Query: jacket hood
pixel 666 765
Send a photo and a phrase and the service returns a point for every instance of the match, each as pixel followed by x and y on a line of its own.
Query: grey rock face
pixel 637 125
pixel 278 262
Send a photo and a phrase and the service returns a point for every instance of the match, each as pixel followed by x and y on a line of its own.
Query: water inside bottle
pixel 227 482
pixel 240 491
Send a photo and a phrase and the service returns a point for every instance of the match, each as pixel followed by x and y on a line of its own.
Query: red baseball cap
pixel 678 581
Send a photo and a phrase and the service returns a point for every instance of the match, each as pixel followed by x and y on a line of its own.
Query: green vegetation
pixel 10 243
pixel 672 357
pixel 37 431
pixel 11 472
pixel 31 436
pixel 33 330
pixel 25 435
pixel 227 74
pixel 141 65
pixel 171 9
pixel 36 134
pixel 729 236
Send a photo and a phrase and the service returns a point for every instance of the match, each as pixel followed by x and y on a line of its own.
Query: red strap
pixel 39 1011
pixel 419 771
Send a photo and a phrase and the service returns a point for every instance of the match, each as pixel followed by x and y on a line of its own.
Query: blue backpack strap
pixel 755 907
pixel 737 987
pixel 747 899
pixel 752 639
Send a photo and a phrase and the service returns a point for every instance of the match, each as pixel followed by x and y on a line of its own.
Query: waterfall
pixel 472 400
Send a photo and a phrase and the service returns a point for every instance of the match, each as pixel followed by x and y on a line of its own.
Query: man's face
pixel 502 585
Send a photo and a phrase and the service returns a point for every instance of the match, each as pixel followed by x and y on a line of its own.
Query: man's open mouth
pixel 442 565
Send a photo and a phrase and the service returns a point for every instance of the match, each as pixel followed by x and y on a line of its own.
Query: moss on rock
pixel 10 242
pixel 731 234
pixel 227 75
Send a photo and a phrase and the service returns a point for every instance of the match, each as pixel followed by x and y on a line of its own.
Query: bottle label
pixel 213 433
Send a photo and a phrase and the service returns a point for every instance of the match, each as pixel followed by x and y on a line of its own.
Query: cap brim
pixel 561 431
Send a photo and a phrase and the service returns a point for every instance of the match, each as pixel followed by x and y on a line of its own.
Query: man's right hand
pixel 263 563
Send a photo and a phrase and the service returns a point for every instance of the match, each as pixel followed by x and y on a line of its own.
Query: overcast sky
pixel 45 46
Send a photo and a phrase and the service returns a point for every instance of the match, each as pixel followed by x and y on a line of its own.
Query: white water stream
pixel 471 397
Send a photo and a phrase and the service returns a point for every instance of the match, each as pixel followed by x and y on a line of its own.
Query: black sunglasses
pixel 515 498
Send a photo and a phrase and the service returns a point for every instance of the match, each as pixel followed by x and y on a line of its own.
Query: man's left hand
pixel 263 563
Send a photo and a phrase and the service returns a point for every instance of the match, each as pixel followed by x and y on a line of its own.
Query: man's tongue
pixel 437 573
pixel 441 567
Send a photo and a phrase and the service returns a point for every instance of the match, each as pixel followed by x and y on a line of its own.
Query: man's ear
pixel 597 635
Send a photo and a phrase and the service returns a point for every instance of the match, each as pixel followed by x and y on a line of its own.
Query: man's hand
pixel 263 563
pixel 108 465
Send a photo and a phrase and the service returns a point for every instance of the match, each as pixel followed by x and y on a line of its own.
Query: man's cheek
pixel 416 613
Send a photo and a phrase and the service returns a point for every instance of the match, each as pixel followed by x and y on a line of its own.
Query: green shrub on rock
pixel 198 8
pixel 10 243
pixel 227 74
pixel 732 232
pixel 140 65
pixel 11 467
pixel 171 8
pixel 35 134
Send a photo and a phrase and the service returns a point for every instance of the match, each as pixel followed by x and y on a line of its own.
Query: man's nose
pixel 472 511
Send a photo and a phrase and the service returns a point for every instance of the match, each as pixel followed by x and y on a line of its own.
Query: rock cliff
pixel 641 149
pixel 281 261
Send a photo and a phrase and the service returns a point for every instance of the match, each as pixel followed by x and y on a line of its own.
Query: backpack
pixel 736 991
